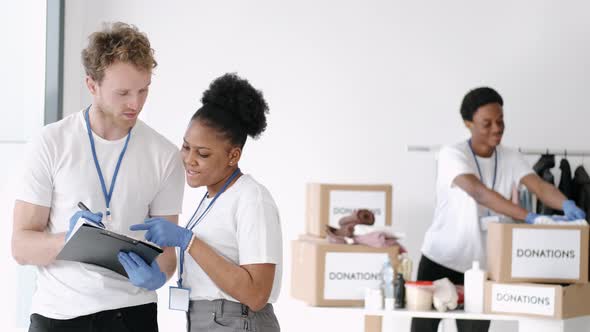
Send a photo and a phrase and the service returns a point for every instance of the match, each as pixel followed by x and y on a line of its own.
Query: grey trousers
pixel 224 315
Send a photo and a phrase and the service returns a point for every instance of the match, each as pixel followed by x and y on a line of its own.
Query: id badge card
pixel 179 298
pixel 484 222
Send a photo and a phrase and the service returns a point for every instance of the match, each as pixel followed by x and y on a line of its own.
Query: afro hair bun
pixel 235 95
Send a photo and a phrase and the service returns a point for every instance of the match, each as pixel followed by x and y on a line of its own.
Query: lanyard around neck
pixel 479 169
pixel 107 195
pixel 193 222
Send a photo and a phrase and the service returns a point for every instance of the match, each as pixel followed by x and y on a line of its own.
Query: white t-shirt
pixel 60 172
pixel 243 226
pixel 456 237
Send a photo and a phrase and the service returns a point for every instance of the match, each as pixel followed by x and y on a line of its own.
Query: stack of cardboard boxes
pixel 537 270
pixel 327 274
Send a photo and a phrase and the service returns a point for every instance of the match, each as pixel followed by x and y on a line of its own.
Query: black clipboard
pixel 94 245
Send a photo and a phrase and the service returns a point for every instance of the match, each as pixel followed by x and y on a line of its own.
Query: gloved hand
pixel 140 274
pixel 164 233
pixel 530 218
pixel 92 217
pixel 571 211
pixel 533 218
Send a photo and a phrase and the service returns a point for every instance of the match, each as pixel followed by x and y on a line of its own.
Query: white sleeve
pixel 451 162
pixel 37 175
pixel 259 233
pixel 168 200
pixel 520 167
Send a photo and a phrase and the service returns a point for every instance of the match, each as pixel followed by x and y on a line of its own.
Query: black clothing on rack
pixel 543 168
pixel 582 189
pixel 566 182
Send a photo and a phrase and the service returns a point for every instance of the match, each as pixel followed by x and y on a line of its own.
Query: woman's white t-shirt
pixel 456 236
pixel 243 226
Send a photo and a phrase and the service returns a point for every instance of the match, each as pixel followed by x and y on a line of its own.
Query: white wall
pixel 22 69
pixel 350 84
pixel 22 88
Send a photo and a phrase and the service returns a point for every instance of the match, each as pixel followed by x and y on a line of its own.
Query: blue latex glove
pixel 530 218
pixel 92 217
pixel 571 211
pixel 140 274
pixel 164 233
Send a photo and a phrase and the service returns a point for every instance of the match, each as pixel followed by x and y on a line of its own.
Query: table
pixel 373 320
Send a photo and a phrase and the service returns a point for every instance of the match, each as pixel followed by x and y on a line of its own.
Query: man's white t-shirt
pixel 60 172
pixel 456 236
pixel 243 226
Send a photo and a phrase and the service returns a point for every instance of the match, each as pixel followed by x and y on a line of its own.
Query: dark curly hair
pixel 233 107
pixel 476 98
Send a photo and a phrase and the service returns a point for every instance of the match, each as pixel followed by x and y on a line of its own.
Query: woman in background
pixel 474 184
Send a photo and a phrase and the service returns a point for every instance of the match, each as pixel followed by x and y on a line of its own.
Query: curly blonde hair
pixel 117 42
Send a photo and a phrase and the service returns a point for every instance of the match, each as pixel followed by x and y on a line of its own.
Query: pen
pixel 83 207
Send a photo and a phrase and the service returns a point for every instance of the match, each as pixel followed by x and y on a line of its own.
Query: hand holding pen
pixel 85 213
pixel 90 216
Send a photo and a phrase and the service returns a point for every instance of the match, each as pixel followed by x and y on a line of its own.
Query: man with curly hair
pixel 122 170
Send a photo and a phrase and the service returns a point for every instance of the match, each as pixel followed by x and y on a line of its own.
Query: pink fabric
pixel 373 239
pixel 347 223
pixel 378 240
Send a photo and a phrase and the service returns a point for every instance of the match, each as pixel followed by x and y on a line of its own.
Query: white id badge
pixel 485 221
pixel 179 298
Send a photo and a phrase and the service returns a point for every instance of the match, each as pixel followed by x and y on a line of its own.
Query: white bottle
pixel 387 279
pixel 474 288
pixel 373 299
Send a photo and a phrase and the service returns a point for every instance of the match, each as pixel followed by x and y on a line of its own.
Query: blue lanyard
pixel 193 222
pixel 479 169
pixel 107 195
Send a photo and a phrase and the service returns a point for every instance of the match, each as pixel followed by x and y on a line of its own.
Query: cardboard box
pixel 328 203
pixel 325 274
pixel 537 300
pixel 537 253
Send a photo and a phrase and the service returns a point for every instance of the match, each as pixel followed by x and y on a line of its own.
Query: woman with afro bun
pixel 231 248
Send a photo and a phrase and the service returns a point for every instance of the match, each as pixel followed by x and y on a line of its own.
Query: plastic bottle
pixel 387 277
pixel 474 288
pixel 400 291
pixel 406 266
pixel 373 299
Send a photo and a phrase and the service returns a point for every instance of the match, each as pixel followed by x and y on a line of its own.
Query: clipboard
pixel 94 245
